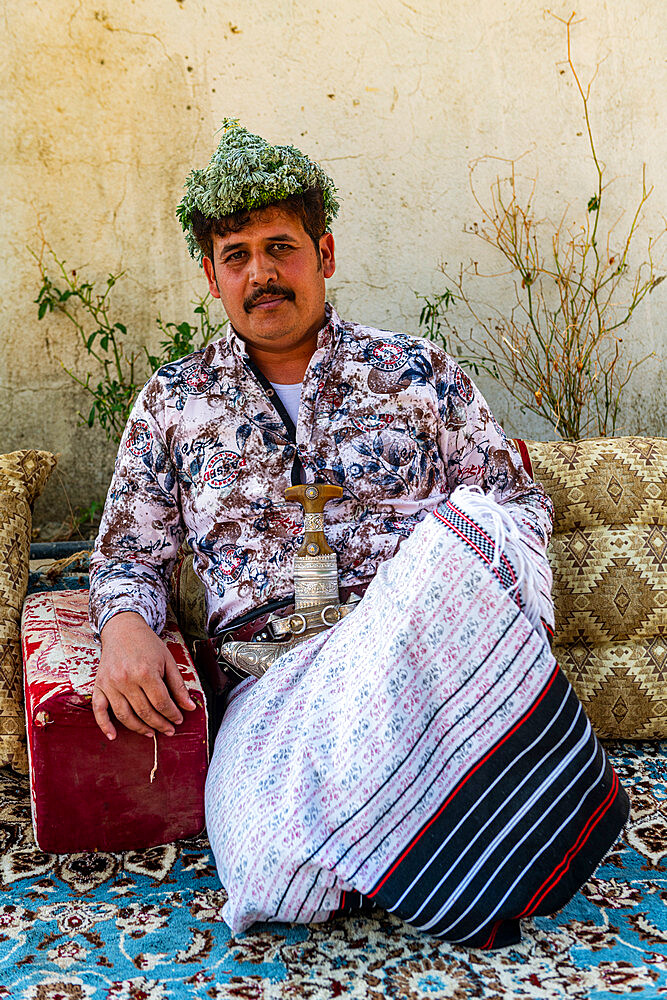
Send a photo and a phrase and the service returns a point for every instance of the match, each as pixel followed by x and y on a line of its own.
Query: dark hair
pixel 308 207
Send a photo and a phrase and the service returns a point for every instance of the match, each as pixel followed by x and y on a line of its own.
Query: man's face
pixel 270 279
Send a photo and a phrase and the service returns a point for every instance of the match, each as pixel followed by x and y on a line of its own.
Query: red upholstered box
pixel 90 793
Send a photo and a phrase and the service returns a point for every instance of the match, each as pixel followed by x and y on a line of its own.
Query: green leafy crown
pixel 248 172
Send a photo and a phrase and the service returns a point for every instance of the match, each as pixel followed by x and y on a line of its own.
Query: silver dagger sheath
pixel 316 599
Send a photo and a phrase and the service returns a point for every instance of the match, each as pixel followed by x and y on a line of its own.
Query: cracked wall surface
pixel 107 105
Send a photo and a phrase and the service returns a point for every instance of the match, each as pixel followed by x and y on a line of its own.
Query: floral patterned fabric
pixel 148 925
pixel 60 653
pixel 209 450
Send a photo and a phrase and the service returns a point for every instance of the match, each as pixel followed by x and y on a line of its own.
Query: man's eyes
pixel 239 255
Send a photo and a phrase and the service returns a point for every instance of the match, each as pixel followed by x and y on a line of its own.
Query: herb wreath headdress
pixel 248 172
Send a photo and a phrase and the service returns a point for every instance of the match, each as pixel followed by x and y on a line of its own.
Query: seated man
pixel 424 754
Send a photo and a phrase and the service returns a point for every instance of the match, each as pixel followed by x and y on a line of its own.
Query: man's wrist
pixel 123 621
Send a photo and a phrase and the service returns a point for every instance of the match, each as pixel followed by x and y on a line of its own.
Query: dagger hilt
pixel 313 498
pixel 315 564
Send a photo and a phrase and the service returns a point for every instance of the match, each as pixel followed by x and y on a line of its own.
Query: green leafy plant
pixel 87 518
pixel 118 371
pixel 431 315
pixel 559 352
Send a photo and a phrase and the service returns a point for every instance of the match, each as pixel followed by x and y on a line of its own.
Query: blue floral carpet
pixel 147 926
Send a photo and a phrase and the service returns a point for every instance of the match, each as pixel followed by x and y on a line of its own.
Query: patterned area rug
pixel 147 926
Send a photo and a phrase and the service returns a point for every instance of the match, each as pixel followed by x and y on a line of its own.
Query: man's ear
pixel 327 255
pixel 209 271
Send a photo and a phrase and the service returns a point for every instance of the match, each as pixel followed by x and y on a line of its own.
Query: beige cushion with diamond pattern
pixel 609 559
pixel 23 475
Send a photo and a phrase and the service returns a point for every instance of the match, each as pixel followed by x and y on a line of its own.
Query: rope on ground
pixel 56 568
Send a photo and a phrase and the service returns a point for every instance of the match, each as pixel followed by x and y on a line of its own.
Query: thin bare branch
pixel 557 351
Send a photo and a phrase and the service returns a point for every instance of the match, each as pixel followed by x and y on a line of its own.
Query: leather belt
pixel 301 621
pixel 253 645
pixel 252 623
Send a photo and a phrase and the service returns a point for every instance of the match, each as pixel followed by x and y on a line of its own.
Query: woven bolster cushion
pixel 609 560
pixel 89 793
pixel 23 475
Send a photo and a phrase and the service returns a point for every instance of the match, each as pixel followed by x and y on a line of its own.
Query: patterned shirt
pixel 209 450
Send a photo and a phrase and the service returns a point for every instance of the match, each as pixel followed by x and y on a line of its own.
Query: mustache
pixel 270 289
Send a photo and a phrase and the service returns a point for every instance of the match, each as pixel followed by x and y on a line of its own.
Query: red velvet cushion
pixel 89 793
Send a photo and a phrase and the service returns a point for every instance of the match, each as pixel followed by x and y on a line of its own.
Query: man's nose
pixel 262 269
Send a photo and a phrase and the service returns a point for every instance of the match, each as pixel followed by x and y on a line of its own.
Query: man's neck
pixel 286 368
pixel 285 371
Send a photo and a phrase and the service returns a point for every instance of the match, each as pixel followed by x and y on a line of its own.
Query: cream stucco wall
pixel 107 104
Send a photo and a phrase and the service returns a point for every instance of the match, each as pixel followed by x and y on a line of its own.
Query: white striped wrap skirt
pixel 425 755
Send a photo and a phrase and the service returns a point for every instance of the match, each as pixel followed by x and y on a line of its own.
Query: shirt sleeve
pixel 141 528
pixel 477 452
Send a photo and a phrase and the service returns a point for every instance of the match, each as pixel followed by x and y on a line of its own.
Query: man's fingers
pixel 124 711
pixel 101 713
pixel 158 696
pixel 176 685
pixel 147 710
pixel 137 679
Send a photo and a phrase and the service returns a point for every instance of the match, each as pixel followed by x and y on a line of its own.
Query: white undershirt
pixel 290 396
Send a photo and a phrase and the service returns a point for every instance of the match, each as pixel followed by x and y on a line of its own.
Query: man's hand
pixel 137 678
